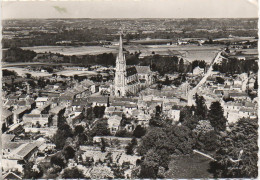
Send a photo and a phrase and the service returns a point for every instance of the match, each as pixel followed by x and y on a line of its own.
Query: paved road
pixel 202 81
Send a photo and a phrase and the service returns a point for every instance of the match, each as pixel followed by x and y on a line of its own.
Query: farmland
pixel 66 72
pixel 187 52
pixel 72 50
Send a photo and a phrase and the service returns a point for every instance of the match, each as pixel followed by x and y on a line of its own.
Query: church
pixel 129 80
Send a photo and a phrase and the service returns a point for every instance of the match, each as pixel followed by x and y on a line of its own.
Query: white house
pixel 114 123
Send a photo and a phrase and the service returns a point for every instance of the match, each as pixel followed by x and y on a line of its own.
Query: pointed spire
pixel 120 54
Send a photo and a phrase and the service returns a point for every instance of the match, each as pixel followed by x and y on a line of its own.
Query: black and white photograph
pixel 129 89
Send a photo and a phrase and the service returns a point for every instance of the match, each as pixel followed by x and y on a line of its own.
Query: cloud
pixel 61 10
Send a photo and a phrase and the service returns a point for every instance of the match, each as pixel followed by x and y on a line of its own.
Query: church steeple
pixel 120 54
pixel 120 75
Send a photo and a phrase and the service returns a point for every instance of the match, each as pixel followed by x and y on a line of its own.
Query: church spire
pixel 120 53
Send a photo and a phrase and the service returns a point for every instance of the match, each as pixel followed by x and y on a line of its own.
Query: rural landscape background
pixel 186 105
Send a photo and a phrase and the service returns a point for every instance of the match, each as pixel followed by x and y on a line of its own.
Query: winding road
pixel 202 81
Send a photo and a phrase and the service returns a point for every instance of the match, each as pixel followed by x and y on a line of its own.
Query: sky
pixel 130 9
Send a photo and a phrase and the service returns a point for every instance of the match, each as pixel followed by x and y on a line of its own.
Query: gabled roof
pixel 11 175
pixel 6 113
pixel 143 69
pixel 22 151
pixel 7 137
pixel 131 71
pixel 98 99
pixel 40 99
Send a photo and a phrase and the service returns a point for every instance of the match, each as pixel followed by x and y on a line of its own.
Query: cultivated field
pixel 22 72
pixel 72 50
pixel 187 52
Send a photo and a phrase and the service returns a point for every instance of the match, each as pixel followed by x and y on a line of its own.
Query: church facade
pixel 129 80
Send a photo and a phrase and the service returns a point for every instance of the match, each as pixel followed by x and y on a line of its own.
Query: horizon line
pixel 136 18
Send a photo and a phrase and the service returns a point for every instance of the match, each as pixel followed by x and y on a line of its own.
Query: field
pixel 186 167
pixel 71 50
pixel 187 52
pixel 22 71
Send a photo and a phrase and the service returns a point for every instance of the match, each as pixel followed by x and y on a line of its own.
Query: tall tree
pixel 201 108
pixel 237 155
pixel 73 173
pixel 216 116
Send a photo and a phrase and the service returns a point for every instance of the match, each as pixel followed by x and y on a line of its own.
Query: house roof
pixel 98 99
pixel 23 96
pixel 143 69
pixel 56 109
pixel 238 94
pixel 66 97
pixel 117 113
pixel 115 118
pixel 40 99
pixel 22 151
pixel 6 113
pixel 11 145
pixel 131 71
pixel 11 175
pixel 7 137
pixel 20 110
pixel 248 110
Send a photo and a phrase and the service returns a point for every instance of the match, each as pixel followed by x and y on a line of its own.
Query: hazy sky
pixel 131 9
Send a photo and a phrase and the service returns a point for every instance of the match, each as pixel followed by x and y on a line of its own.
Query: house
pixel 41 101
pixel 94 88
pixel 42 110
pixel 18 114
pixel 11 175
pixel 7 118
pixel 66 100
pixel 34 120
pixel 145 76
pixel 175 115
pixel 239 96
pixel 78 103
pixel 128 158
pixel 114 123
pixel 98 100
pixel 56 114
pixel 19 156
pixel 143 119
pixel 198 71
pixel 24 97
pixel 248 113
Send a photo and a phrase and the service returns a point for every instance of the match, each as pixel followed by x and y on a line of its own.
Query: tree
pixel 100 129
pixel 30 172
pixel 101 172
pixel 181 66
pixel 28 75
pixel 79 129
pixel 158 110
pixel 237 155
pixel 68 152
pixel 256 84
pixel 123 133
pixel 130 147
pixel 73 173
pixel 150 165
pixel 201 108
pixel 57 160
pixel 139 131
pixel 216 116
pixel 103 145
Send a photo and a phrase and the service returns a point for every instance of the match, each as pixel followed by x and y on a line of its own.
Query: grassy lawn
pixel 193 166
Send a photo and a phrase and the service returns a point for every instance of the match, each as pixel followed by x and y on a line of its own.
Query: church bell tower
pixel 120 75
